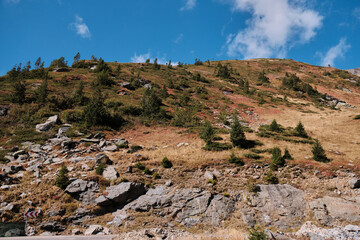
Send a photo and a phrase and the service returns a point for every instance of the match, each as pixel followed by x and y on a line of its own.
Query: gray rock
pixel 83 190
pixel 282 206
pixel 102 158
pixel 328 209
pixel 12 169
pixel 121 142
pixel 311 231
pixel 68 144
pixel 110 173
pixel 111 148
pixel 53 213
pixel 99 135
pixel 76 231
pixel 354 183
pixel 189 206
pixel 47 234
pixel 93 229
pixel 48 124
pixel 121 194
pixel 208 175
pixel 63 130
pixel 90 140
pixel 13 233
pixel 52 226
pixel 3 111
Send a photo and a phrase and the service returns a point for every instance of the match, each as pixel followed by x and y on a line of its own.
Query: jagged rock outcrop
pixel 281 206
pixel 189 206
pixel 329 209
pixel 121 194
pixel 83 190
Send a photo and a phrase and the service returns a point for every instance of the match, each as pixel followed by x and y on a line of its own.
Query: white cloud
pixel 275 27
pixel 179 38
pixel 143 57
pixel 335 52
pixel 356 13
pixel 80 27
pixel 190 4
pixel 12 1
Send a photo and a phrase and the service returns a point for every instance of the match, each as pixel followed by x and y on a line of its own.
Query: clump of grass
pixel 236 160
pixel 216 146
pixel 139 166
pixel 100 169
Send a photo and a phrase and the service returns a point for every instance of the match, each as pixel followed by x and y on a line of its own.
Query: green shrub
pixel 139 166
pixel 236 160
pixel 100 169
pixel 274 126
pixel 319 153
pixel 156 176
pixel 257 234
pixel 59 63
pixel 131 110
pixel 72 116
pixel 271 178
pixel 151 104
pixel 113 104
pixel 166 163
pixel 207 132
pixel 252 186
pixel 62 180
pixel 357 117
pixel 212 181
pixel 147 171
pixel 237 135
pixel 216 146
pixel 287 155
pixel 299 131
pixel 252 156
pixel 102 78
pixel 277 159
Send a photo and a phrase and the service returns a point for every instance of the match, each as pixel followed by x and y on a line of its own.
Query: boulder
pixel 110 173
pixel 121 194
pixel 208 175
pixel 354 183
pixel 93 229
pixel 83 190
pixel 62 130
pixel 111 148
pixel 282 206
pixel 102 158
pixel 190 206
pixel 312 232
pixel 328 209
pixel 50 122
pixel 52 226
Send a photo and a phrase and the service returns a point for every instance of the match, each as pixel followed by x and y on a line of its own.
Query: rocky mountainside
pixel 126 150
pixel 355 71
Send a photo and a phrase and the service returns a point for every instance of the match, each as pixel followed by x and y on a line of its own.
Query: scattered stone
pixel 103 158
pixel 90 140
pixel 93 229
pixel 52 226
pixel 99 135
pixel 111 148
pixel 48 124
pixel 354 183
pixel 110 173
pixel 209 175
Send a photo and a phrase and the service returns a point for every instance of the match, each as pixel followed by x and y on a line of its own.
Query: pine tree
pixel 95 112
pixel 163 92
pixel 246 87
pixel 287 155
pixel 207 133
pixel 300 131
pixel 77 57
pixel 277 159
pixel 42 92
pixel 150 103
pixel 62 181
pixel 18 96
pixel 38 62
pixel 156 66
pixel 274 126
pixel 319 153
pixel 237 136
pixel 263 78
pixel 79 96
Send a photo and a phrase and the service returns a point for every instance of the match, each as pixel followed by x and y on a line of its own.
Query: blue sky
pixel 317 32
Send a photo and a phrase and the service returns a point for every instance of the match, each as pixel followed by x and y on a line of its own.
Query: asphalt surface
pixel 80 237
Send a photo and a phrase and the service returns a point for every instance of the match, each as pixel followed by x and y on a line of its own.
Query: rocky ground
pixel 180 202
